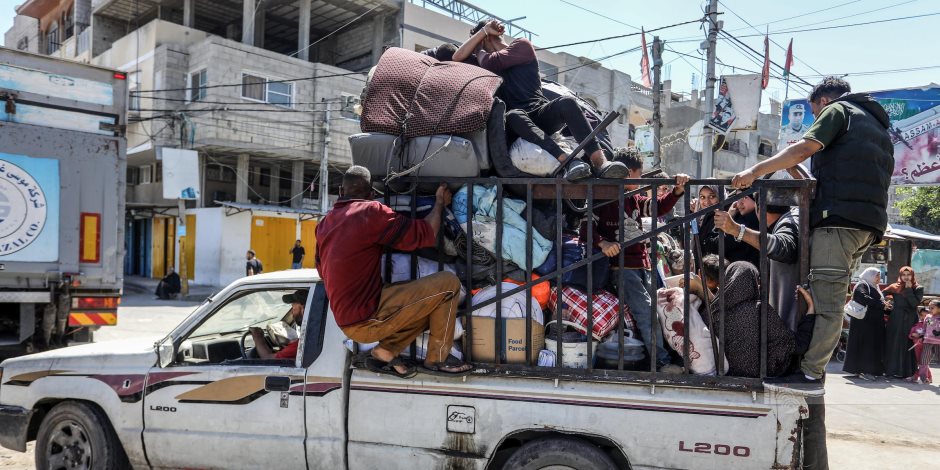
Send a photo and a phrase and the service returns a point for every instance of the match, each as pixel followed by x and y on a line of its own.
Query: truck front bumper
pixel 14 425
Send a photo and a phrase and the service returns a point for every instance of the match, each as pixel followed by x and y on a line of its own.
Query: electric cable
pixel 698 20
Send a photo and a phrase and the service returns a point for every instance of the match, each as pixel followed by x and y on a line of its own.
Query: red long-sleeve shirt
pixel 607 221
pixel 350 240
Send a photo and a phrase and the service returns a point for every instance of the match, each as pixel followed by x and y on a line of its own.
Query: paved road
pixel 871 425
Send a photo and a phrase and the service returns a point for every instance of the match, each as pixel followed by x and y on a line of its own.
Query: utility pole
pixel 324 163
pixel 657 100
pixel 708 156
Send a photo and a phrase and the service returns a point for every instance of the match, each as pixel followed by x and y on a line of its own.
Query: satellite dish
pixel 697 136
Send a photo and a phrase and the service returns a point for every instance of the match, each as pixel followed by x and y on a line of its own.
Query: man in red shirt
pixel 350 242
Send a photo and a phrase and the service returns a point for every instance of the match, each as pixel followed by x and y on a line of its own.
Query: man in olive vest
pixel 853 160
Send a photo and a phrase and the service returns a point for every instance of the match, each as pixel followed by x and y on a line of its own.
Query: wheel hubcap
pixel 69 447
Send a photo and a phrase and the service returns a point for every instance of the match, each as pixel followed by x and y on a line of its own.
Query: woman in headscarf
pixel 742 326
pixel 743 212
pixel 906 295
pixel 865 352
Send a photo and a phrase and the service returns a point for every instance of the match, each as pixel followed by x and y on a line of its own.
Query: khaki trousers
pixel 834 254
pixel 408 309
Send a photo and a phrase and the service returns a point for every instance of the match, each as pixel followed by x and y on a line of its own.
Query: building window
pixel 220 173
pixel 766 148
pixel 264 177
pixel 23 43
pixel 133 176
pixel 158 172
pixel 52 38
pixel 133 101
pixel 197 85
pixel 146 173
pixel 262 89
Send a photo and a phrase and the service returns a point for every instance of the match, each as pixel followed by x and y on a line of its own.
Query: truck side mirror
pixel 165 350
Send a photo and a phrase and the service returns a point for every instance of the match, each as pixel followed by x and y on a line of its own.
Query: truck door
pixel 212 407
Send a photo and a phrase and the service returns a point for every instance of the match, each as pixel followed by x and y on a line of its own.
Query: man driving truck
pixel 296 301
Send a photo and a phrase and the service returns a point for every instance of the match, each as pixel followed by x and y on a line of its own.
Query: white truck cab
pixel 195 399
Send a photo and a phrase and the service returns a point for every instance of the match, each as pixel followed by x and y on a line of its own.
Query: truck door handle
pixel 277 383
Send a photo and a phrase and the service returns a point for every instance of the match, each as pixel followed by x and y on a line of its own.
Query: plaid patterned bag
pixel 606 309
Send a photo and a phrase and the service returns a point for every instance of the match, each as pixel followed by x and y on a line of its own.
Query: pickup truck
pixel 195 399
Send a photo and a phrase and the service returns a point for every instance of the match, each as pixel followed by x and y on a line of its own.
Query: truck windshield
pixel 256 308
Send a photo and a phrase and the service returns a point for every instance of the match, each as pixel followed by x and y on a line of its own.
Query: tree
pixel 920 208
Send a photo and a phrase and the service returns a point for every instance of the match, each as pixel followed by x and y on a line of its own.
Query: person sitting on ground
pixel 531 116
pixel 350 242
pixel 783 253
pixel 865 351
pixel 169 286
pixel 296 300
pixel 741 295
pixel 632 281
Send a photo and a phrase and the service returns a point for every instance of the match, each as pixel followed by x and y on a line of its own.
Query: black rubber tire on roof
pixel 76 432
pixel 560 452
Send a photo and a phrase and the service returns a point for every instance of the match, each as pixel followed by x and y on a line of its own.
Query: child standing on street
pixel 926 337
pixel 631 282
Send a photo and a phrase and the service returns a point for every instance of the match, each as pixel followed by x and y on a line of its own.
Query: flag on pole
pixel 765 74
pixel 645 64
pixel 789 62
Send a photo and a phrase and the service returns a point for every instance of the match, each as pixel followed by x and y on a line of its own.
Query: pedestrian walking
pixel 252 265
pixel 853 159
pixel 297 253
pixel 906 295
pixel 865 351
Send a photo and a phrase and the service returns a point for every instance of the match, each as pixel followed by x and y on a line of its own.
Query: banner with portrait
pixel 915 131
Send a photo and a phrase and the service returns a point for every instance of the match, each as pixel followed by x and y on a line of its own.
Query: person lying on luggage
pixel 631 281
pixel 350 242
pixel 531 116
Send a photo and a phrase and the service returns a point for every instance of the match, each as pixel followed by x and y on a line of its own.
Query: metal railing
pixel 596 193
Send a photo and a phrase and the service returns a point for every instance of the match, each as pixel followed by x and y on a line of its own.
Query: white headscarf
pixel 870 276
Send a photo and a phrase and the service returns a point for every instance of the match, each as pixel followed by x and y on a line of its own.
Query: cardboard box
pixel 513 347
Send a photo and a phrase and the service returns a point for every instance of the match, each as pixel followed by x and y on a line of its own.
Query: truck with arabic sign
pixel 62 183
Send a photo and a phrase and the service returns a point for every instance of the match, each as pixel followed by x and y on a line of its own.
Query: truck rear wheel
pixel 78 436
pixel 559 453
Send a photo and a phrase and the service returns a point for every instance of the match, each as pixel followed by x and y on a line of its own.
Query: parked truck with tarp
pixel 62 184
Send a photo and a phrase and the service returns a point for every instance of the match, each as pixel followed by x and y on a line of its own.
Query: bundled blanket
pixel 416 93
pixel 514 225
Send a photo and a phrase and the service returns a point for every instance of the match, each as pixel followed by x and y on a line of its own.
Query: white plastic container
pixel 574 354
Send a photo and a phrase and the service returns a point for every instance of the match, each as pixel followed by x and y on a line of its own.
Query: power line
pixel 759 55
pixel 598 14
pixel 698 20
pixel 771 39
pixel 798 16
pixel 336 30
pixel 595 61
pixel 857 14
pixel 289 80
pixel 790 31
pixel 877 72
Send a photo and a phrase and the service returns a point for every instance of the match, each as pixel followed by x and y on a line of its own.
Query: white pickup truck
pixel 194 400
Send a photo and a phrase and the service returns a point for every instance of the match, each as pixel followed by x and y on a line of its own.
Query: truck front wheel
pixel 560 453
pixel 77 435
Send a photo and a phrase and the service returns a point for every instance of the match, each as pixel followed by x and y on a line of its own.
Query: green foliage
pixel 920 208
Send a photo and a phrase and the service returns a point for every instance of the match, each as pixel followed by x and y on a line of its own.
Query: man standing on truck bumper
pixel 853 163
pixel 350 241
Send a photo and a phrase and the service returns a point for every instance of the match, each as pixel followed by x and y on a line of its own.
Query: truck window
pixel 224 335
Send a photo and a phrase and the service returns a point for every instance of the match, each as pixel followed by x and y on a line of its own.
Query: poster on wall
pixel 723 115
pixel 915 131
pixel 644 139
pixel 29 208
pixel 745 91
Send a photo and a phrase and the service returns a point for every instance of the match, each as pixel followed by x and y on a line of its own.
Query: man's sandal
pixel 381 367
pixel 450 362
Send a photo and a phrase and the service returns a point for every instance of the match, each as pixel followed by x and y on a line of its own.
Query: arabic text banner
pixel 915 131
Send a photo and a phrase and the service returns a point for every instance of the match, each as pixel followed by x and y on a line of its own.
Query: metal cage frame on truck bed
pixel 792 192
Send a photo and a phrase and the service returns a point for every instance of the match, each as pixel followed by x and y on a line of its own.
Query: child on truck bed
pixel 631 282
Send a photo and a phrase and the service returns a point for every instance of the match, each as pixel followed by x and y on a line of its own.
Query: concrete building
pixel 234 81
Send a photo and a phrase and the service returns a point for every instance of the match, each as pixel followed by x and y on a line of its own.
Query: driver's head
pixel 296 300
